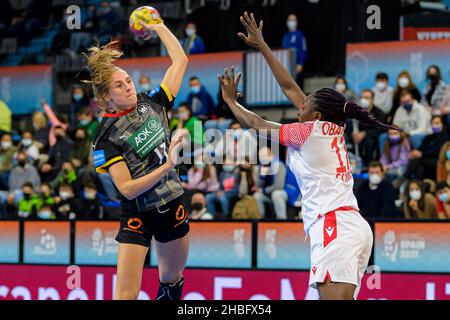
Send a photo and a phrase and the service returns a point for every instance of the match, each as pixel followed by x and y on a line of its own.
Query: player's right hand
pixel 174 149
pixel 254 37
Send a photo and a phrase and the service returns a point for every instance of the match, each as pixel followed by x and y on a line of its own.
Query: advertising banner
pixel 218 245
pixel 95 242
pixel 412 247
pixel 47 242
pixel 9 241
pixel 97 283
pixel 282 245
pixel 23 87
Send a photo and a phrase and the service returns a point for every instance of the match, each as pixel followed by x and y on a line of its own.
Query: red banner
pixel 426 33
pixel 72 283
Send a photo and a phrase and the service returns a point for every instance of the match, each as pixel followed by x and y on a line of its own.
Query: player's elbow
pixel 127 190
pixel 181 61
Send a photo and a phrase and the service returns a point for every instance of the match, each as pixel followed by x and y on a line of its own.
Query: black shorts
pixel 166 223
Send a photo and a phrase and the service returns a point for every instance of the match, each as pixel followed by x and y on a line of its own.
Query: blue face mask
pixel 45 215
pixel 408 106
pixel 145 87
pixel 195 89
pixel 448 154
pixel 436 129
pixel 84 122
pixel 77 97
pixel 443 197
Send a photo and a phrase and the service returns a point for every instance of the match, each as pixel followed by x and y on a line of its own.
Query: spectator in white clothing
pixel 383 93
pixel 413 118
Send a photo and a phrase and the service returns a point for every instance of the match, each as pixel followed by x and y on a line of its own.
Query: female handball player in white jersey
pixel 341 240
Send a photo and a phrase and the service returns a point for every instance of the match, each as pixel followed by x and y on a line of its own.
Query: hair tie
pixel 345 106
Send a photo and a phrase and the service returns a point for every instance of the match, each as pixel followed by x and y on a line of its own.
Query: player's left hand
pixel 229 84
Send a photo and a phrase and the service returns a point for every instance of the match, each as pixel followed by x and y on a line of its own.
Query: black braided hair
pixel 331 104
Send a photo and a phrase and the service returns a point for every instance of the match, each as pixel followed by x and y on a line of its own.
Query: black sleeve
pixel 389 208
pixel 106 154
pixel 162 96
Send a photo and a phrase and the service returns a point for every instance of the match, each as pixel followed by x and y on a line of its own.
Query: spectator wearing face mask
pixel 418 204
pixel 412 118
pixel 46 213
pixel 79 101
pixel 384 94
pixel 270 184
pixel 185 120
pixel 199 210
pixel 28 145
pixel 376 195
pixel 192 44
pixel 81 149
pixel 237 144
pixel 41 129
pixel 404 81
pixel 366 137
pixel 423 161
pixel 58 154
pixel 87 121
pixel 228 190
pixel 7 151
pixel 109 21
pixel 67 205
pixel 30 204
pixel 144 83
pixel 47 196
pixel 443 164
pixel 294 38
pixel 395 154
pixel 90 206
pixel 443 200
pixel 200 101
pixel 23 172
pixel 67 175
pixel 202 177
pixel 435 90
pixel 340 84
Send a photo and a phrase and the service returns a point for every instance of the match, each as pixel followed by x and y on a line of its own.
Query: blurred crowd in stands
pixel 47 171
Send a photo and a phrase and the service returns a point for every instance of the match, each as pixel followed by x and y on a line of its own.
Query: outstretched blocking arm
pixel 174 75
pixel 247 118
pixel 255 39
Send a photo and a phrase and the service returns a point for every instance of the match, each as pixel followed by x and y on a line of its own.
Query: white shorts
pixel 341 244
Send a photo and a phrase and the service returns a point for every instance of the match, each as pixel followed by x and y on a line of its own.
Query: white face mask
pixel 381 85
pixel 375 179
pixel 340 87
pixel 364 103
pixel 65 195
pixel 415 194
pixel 403 82
pixel 27 142
pixel 6 145
pixel 190 32
pixel 90 195
pixel 292 25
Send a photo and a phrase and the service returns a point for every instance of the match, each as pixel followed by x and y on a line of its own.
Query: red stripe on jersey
pixel 327 276
pixel 329 228
pixel 295 134
pixel 116 115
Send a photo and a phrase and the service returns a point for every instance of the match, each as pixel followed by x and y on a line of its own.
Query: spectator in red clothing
pixel 443 200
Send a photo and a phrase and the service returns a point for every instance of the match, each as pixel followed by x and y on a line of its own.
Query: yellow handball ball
pixel 146 14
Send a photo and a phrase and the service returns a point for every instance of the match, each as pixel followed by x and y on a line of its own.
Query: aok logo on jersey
pixel 147 137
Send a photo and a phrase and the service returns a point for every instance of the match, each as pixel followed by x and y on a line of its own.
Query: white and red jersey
pixel 317 155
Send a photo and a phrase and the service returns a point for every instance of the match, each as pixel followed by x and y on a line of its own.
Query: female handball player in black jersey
pixel 133 145
pixel 340 239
